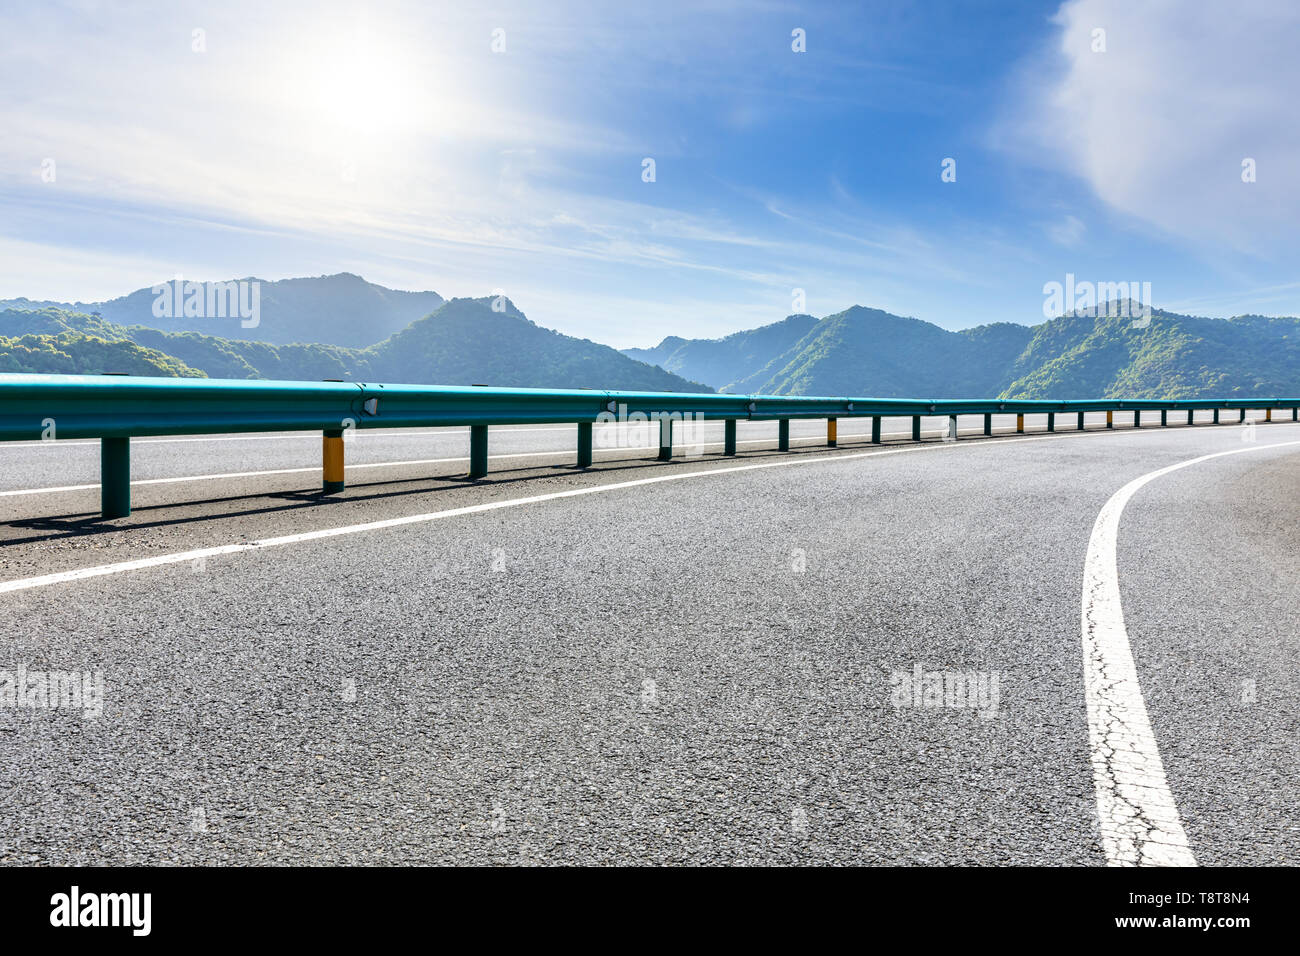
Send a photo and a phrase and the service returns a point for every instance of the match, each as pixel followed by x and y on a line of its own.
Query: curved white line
pixel 1139 820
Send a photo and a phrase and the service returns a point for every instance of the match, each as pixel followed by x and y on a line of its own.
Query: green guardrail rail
pixel 116 408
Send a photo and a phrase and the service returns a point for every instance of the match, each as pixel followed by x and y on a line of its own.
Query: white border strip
pixel 61 489
pixel 44 580
pixel 1139 821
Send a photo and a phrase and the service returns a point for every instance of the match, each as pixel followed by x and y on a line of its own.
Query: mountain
pixel 54 342
pixel 860 351
pixel 467 341
pixel 720 362
pixel 341 309
pixel 1176 356
pixel 463 342
pixel 868 352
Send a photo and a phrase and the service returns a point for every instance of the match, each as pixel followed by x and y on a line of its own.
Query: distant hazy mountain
pixel 341 309
pixel 720 362
pixel 464 342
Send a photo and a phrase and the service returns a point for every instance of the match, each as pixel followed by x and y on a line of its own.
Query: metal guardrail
pixel 116 408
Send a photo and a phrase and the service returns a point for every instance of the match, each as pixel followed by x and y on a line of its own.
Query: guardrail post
pixel 115 477
pixel 831 432
pixel 916 428
pixel 1216 416
pixel 1164 417
pixel 1020 423
pixel 1268 414
pixel 875 429
pixel 331 461
pixel 1243 416
pixel 1051 421
pixel 729 437
pixel 988 423
pixel 1191 416
pixel 1137 418
pixel 665 439
pixel 1295 414
pixel 783 434
pixel 478 451
pixel 952 427
pixel 1110 419
pixel 1080 425
pixel 584 444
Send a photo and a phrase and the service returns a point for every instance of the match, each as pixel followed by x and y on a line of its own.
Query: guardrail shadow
pixel 51 528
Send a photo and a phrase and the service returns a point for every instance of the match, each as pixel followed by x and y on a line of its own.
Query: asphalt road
pixel 703 669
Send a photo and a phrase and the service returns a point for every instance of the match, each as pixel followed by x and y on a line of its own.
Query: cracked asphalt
pixel 717 669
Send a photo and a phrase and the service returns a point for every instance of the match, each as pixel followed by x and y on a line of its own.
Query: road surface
pixel 717 660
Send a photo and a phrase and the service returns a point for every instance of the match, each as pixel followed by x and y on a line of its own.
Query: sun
pixel 364 91
pixel 348 87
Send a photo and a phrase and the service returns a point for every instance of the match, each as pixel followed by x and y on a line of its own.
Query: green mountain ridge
pixel 869 352
pixel 860 351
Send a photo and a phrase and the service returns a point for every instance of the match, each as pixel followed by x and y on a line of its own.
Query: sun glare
pixel 353 87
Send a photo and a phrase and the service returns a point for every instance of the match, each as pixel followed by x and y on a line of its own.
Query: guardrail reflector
pixel 332 462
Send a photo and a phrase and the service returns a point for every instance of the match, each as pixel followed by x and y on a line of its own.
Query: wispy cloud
pixel 392 140
pixel 1157 106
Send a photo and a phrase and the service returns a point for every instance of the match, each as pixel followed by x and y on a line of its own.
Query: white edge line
pixel 63 489
pixel 462 430
pixel 1135 808
pixel 23 584
pixel 414 461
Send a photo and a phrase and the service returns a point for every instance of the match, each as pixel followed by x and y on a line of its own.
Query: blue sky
pixel 394 142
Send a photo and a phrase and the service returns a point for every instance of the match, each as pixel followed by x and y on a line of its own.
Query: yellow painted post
pixel 1020 424
pixel 831 431
pixel 1110 419
pixel 332 461
pixel 1268 414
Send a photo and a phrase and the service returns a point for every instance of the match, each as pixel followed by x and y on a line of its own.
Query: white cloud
pixel 1068 232
pixel 1159 124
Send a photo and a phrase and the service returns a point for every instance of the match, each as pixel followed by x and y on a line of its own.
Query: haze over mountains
pixel 309 329
pixel 462 342
pixel 342 309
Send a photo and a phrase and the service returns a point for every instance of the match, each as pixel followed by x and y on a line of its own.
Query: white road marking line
pixel 449 432
pixel 444 432
pixel 1139 820
pixel 61 489
pixel 279 436
pixel 415 461
pixel 61 577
